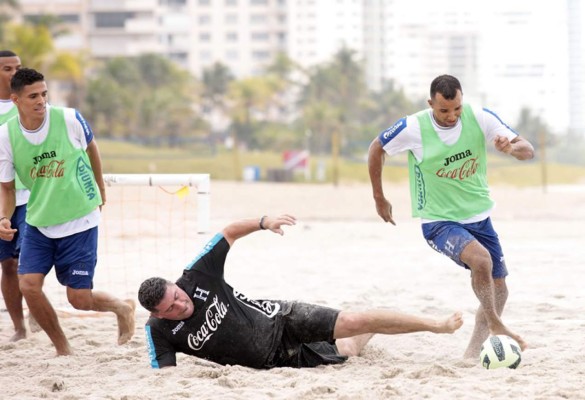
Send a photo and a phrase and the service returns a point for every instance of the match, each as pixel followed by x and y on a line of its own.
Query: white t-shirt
pixel 405 135
pixel 80 135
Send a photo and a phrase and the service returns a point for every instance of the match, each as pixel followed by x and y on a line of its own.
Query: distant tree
pixel 533 129
pixel 6 9
pixel 34 43
pixel 216 80
pixel 248 105
pixel 334 90
pixel 146 98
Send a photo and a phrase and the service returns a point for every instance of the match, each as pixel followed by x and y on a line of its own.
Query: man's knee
pixel 80 299
pixel 30 285
pixel 477 257
pixel 348 324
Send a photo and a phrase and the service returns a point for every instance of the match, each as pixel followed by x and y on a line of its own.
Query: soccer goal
pixel 151 224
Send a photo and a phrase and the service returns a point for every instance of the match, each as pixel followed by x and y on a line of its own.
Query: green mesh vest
pixel 3 118
pixel 58 175
pixel 450 182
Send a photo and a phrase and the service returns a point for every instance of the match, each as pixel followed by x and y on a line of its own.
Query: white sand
pixel 341 255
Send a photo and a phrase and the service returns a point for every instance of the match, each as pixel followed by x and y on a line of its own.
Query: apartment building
pixel 501 51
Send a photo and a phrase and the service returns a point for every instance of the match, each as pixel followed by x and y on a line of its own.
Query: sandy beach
pixel 340 254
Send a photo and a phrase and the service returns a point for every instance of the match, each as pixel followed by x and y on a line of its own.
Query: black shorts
pixel 307 337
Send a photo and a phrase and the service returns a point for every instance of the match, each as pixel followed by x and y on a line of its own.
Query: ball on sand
pixel 500 351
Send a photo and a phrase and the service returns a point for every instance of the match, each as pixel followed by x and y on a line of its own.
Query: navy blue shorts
pixel 450 238
pixel 74 256
pixel 12 249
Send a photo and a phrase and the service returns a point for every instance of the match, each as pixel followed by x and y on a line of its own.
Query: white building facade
pixel 507 54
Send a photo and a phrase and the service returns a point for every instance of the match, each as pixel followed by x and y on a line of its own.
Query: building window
pixel 258 2
pixel 258 18
pixel 231 18
pixel 112 19
pixel 231 37
pixel 204 19
pixel 260 36
pixel 204 37
pixel 260 55
pixel 172 3
pixel 232 55
pixel 231 2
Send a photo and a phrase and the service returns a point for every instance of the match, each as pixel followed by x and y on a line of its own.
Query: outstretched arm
pixel 376 157
pixel 519 148
pixel 239 229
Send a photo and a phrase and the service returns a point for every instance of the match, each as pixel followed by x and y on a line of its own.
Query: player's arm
pixel 95 160
pixel 518 147
pixel 7 188
pixel 376 159
pixel 86 140
pixel 160 352
pixel 505 139
pixel 239 229
pixel 7 206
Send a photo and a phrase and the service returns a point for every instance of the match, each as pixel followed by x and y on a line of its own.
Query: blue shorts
pixel 12 249
pixel 74 257
pixel 450 238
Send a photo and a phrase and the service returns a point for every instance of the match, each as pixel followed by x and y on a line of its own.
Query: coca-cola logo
pixel 466 170
pixel 54 169
pixel 214 316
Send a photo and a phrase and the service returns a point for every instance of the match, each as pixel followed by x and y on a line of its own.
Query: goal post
pixel 151 225
pixel 200 181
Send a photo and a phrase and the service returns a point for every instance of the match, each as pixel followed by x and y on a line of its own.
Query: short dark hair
pixel 7 53
pixel 25 77
pixel 447 85
pixel 151 292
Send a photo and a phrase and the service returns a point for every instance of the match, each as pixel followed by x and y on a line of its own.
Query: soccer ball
pixel 500 351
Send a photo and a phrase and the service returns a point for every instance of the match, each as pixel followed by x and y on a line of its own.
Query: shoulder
pixel 401 128
pixel 491 124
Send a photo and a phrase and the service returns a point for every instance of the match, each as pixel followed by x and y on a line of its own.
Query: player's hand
pixel 384 209
pixel 6 230
pixel 274 224
pixel 503 144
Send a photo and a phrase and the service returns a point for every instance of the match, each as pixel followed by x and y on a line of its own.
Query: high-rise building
pixel 576 19
pixel 508 55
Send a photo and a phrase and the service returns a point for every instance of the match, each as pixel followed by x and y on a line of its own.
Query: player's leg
pixel 481 330
pixel 36 260
pixel 388 322
pixel 31 286
pixel 487 251
pixel 353 346
pixel 94 300
pixel 75 268
pixel 13 297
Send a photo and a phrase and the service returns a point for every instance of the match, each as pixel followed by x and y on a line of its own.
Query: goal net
pixel 150 225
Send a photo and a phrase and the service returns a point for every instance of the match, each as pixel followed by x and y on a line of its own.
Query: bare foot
pixel 505 331
pixel 451 324
pixel 18 335
pixel 65 351
pixel 33 324
pixel 126 323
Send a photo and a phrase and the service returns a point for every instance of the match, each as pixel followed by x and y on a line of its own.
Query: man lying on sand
pixel 201 315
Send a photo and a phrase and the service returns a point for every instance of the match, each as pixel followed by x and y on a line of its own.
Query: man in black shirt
pixel 203 316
